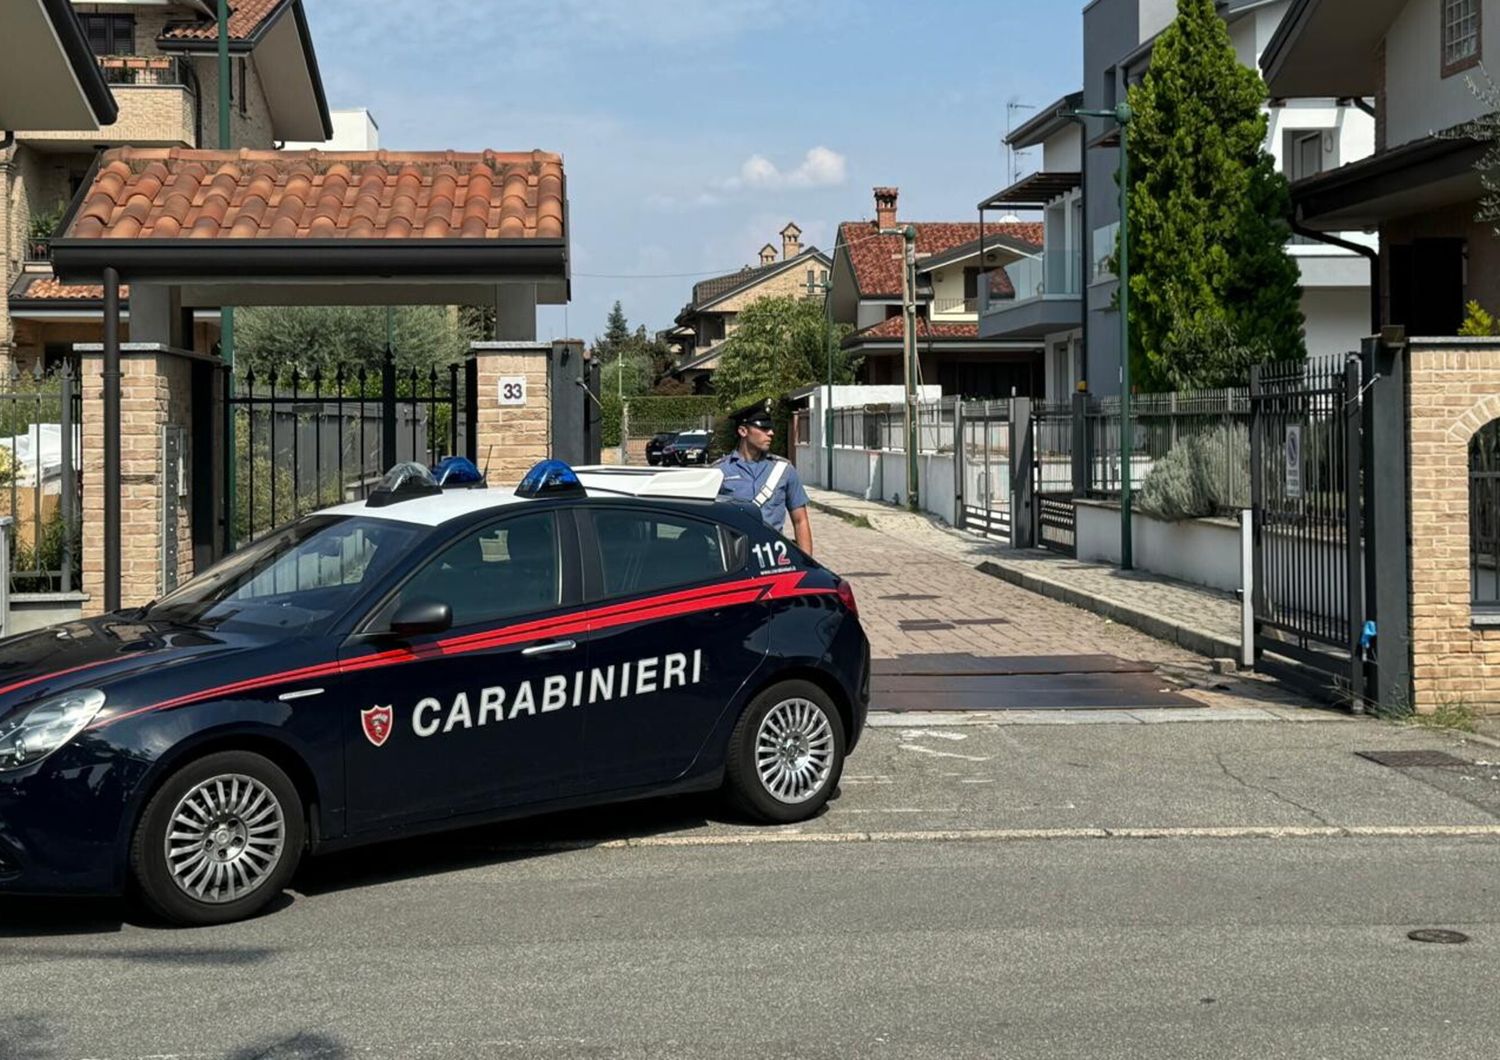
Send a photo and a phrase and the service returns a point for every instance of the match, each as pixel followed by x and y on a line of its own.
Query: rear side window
pixel 643 551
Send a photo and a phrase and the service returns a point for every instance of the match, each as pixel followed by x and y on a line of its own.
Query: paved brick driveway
pixel 905 582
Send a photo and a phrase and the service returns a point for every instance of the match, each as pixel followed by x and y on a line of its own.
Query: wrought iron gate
pixel 986 467
pixel 1305 481
pixel 1052 446
pixel 305 441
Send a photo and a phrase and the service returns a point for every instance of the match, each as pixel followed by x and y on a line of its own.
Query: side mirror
pixel 416 617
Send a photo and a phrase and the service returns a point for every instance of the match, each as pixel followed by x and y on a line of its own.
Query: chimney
pixel 885 207
pixel 791 241
pixel 767 255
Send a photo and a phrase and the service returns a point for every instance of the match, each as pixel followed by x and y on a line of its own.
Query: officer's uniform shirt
pixel 744 479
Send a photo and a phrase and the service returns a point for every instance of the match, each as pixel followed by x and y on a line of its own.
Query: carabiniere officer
pixel 753 473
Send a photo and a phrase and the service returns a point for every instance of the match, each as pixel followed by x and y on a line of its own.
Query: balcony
pixel 955 306
pixel 157 100
pixel 1048 298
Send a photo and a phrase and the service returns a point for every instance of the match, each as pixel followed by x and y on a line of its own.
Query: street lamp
pixel 1122 116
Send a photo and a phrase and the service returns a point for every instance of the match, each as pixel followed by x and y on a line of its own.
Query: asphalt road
pixel 707 937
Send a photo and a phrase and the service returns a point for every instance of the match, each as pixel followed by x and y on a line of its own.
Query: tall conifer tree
pixel 1212 288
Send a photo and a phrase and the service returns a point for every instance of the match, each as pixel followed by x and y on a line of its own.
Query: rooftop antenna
pixel 1012 156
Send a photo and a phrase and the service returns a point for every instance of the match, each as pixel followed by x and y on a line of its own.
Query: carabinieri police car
pixel 426 659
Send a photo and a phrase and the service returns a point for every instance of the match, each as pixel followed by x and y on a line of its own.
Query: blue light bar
pixel 549 478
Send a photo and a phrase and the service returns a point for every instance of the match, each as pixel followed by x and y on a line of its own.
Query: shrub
pixel 1206 475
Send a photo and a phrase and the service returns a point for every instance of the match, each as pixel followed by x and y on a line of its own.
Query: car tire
pixel 240 830
pixel 786 753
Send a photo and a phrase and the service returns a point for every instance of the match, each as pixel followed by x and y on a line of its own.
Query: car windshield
pixel 692 438
pixel 291 579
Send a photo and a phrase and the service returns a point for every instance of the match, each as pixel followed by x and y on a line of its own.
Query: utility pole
pixel 827 288
pixel 909 351
pixel 1122 115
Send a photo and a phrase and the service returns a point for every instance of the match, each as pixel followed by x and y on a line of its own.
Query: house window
pixel 1484 518
pixel 1461 44
pixel 110 34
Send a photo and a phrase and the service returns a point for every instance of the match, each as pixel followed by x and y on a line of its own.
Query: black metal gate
pixel 1305 481
pixel 1052 446
pixel 306 441
pixel 984 442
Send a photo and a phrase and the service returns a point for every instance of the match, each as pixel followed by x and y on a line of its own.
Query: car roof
pixel 643 483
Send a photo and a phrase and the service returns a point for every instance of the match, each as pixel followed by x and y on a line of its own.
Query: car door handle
pixel 550 647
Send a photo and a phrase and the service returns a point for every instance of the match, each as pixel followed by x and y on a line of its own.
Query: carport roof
pixel 204 217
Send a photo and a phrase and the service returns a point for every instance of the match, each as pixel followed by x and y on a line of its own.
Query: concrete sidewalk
pixel 1199 620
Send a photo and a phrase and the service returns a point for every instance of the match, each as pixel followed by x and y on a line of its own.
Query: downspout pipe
pixel 7 139
pixel 1373 256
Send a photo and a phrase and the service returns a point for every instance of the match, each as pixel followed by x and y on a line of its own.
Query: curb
pixel 1149 623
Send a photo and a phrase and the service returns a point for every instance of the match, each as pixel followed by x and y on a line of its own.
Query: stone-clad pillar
pixel 514 407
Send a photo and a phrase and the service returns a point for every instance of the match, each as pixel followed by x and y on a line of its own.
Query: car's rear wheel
pixel 219 839
pixel 786 753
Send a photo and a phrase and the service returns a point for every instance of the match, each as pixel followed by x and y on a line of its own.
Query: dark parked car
pixel 421 661
pixel 654 447
pixel 689 447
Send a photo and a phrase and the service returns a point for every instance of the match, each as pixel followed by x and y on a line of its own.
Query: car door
pixel 676 628
pixel 480 716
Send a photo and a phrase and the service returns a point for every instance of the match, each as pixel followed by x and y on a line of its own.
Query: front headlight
pixel 33 733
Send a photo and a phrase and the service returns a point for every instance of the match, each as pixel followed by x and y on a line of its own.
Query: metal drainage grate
pixel 910 596
pixel 1440 935
pixel 980 621
pixel 1414 759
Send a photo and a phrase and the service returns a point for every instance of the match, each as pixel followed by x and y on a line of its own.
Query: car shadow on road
pixel 519 840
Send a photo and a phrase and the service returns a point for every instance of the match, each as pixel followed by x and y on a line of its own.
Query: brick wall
pixel 1455 389
pixel 155 390
pixel 512 437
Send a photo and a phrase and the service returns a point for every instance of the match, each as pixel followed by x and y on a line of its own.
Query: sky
pixel 692 130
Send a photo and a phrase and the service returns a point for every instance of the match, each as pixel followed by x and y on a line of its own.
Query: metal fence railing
pixel 1164 422
pixel 882 427
pixel 40 442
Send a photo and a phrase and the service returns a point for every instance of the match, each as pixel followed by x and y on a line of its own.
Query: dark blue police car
pixel 428 659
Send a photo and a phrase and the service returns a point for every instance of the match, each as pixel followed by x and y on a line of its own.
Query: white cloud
pixel 820 168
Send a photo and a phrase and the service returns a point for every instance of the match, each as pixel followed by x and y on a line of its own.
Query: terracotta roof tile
pixel 877 259
pixel 171 193
pixel 890 328
pixel 45 287
pixel 245 17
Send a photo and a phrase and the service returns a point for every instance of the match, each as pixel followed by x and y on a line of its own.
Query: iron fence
pixel 1161 423
pixel 304 441
pixel 40 487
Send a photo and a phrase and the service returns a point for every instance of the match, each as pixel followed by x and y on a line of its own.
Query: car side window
pixel 642 551
pixel 508 568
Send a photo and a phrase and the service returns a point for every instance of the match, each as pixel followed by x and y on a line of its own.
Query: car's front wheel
pixel 219 839
pixel 786 753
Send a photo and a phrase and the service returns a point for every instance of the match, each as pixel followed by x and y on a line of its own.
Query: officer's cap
pixel 756 415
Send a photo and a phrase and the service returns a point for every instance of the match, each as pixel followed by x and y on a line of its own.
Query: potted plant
pixel 43 224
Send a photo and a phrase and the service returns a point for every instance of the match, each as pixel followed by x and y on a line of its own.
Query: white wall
pixel 1337 318
pixel 1418 99
pixel 1197 551
pixel 1062 152
pixel 353 130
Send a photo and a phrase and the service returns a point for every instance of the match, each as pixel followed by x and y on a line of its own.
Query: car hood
pixel 94 653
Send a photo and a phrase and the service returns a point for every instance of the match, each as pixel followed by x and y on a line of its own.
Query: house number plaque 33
pixel 512 390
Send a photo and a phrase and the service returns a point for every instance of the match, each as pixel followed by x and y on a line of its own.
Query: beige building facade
pixel 158 60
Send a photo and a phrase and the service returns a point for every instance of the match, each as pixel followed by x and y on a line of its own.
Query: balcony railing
pixel 39 249
pixel 955 305
pixel 1056 274
pixel 150 70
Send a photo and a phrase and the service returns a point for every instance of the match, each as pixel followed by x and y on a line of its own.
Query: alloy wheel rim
pixel 794 751
pixel 226 837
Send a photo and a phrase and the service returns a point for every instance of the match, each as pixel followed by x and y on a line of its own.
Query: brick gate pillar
pixel 513 407
pixel 156 469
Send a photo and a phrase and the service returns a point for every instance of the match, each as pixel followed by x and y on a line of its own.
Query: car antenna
pixel 484 475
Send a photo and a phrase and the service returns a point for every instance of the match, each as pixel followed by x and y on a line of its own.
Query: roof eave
pixel 208 260
pixel 1049 121
pixel 80 57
